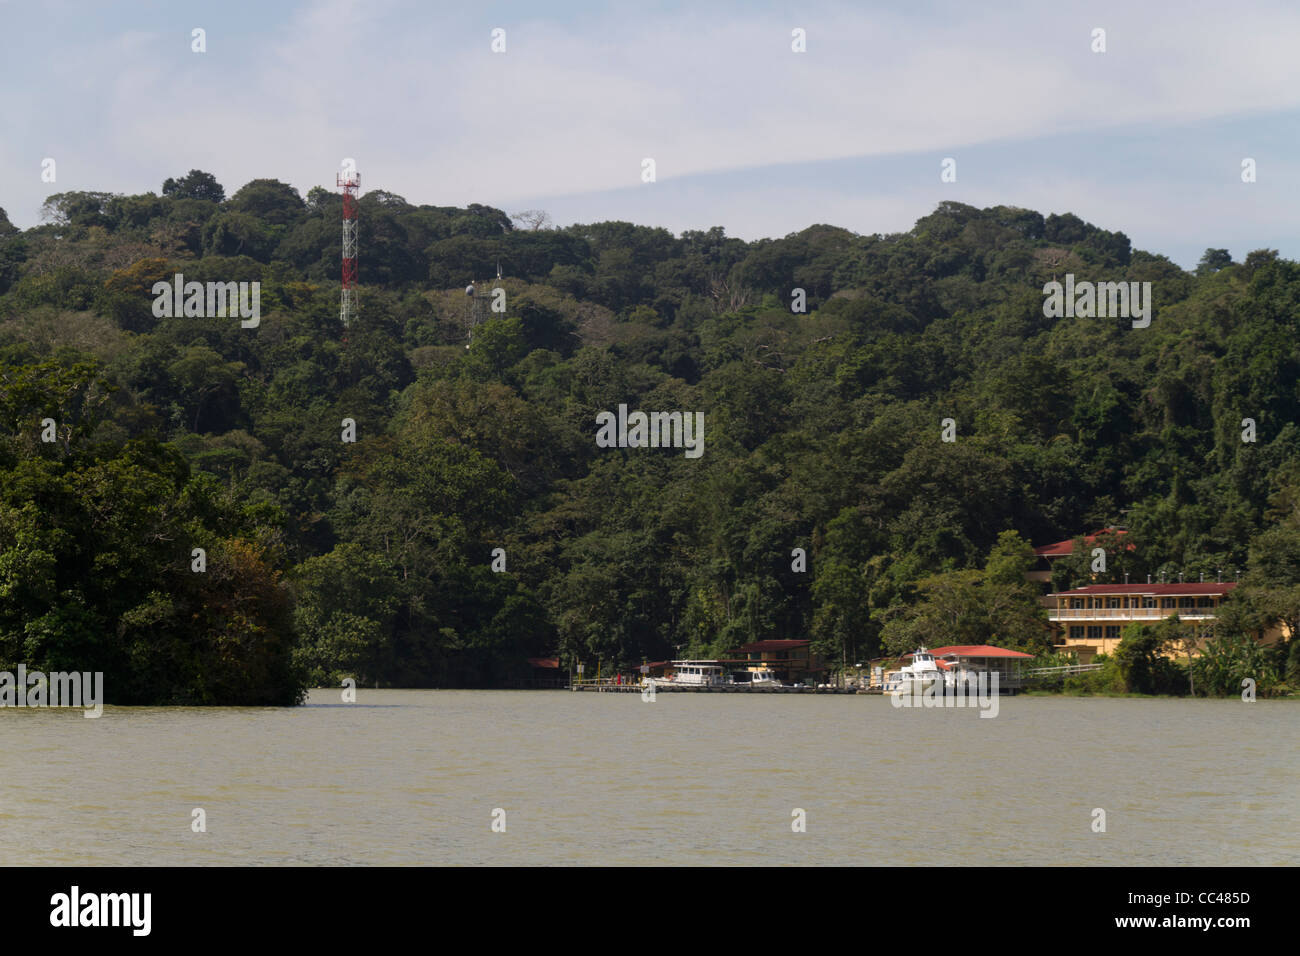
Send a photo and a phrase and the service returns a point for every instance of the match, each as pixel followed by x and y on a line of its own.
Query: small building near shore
pixel 792 661
pixel 545 672
pixel 970 659
pixel 982 659
pixel 1047 554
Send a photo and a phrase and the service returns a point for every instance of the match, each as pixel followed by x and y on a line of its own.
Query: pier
pixel 1010 682
pixel 608 685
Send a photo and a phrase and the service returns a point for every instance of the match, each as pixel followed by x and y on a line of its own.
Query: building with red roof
pixel 978 652
pixel 971 659
pixel 1047 553
pixel 544 672
pixel 1089 620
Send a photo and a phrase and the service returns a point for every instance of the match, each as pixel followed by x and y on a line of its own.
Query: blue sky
pixel 1147 138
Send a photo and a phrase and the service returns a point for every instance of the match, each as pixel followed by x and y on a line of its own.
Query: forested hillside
pixel 823 431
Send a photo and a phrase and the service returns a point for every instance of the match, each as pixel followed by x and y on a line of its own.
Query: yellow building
pixel 1088 621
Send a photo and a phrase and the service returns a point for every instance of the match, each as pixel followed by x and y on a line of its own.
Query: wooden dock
pixel 606 685
pixel 1009 684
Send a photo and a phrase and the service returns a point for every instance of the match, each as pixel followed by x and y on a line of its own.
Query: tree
pixel 77 209
pixel 208 385
pixel 1141 660
pixel 1226 661
pixel 239 234
pixel 534 219
pixel 1016 617
pixel 843 611
pixel 347 606
pixel 269 201
pixel 1066 229
pixel 97 573
pixel 947 611
pixel 1212 261
pixel 1258 259
pixel 13 252
pixel 1272 579
pixel 195 184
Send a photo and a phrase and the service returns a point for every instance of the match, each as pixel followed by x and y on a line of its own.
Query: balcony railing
pixel 1130 614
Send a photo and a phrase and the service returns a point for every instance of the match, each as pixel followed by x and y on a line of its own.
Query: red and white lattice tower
pixel 349 182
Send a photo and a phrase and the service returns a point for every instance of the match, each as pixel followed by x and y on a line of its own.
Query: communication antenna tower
pixel 478 306
pixel 349 182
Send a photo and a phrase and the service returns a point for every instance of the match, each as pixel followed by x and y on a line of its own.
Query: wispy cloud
pixel 582 94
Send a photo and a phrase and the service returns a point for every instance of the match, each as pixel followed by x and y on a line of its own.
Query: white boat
pixel 925 670
pixel 921 673
pixel 764 677
pixel 693 674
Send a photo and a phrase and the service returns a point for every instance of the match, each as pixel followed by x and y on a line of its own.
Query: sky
pixel 1147 138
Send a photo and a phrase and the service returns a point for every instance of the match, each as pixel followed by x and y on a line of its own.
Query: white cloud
pixel 416 96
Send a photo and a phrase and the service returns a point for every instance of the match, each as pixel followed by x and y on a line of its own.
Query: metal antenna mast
pixel 349 182
pixel 478 306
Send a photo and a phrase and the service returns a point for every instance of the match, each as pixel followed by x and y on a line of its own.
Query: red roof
pixel 974 650
pixel 771 646
pixel 1184 590
pixel 1060 549
pixel 545 662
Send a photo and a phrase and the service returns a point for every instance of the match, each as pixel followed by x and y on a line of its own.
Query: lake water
pixel 413 777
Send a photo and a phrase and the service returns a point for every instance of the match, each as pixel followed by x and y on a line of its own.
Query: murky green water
pixel 413 777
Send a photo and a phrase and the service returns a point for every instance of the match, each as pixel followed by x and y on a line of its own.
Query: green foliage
pixel 196 184
pixel 1140 661
pixel 1212 261
pixel 822 433
pixel 1223 664
pixel 1108 680
pixel 95 559
pixel 995 605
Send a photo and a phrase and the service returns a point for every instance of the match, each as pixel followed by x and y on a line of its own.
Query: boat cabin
pixel 704 673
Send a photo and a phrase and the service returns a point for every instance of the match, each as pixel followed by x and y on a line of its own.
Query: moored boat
pixel 918 675
pixel 693 674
